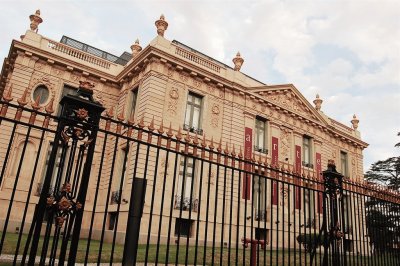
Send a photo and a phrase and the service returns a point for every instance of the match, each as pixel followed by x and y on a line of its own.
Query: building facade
pixel 172 84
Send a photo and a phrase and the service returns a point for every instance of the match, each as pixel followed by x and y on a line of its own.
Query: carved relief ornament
pixel 173 100
pixel 285 142
pixel 42 80
pixel 215 115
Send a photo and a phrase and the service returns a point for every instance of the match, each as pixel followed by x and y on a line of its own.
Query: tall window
pixel 132 103
pixel 259 197
pixel 185 197
pixel 310 207
pixel 343 163
pixel 260 143
pixel 346 215
pixel 193 113
pixel 307 152
pixel 56 170
pixel 118 175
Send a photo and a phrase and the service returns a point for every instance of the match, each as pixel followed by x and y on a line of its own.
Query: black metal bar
pixel 286 219
pixel 152 206
pixel 223 215
pixel 184 174
pixel 107 198
pixel 172 203
pixel 192 206
pixel 28 198
pixel 207 212
pixel 215 213
pixel 41 206
pixel 238 213
pixel 136 204
pixel 14 188
pixel 134 196
pixel 95 199
pixel 121 184
pixel 230 215
pixel 162 205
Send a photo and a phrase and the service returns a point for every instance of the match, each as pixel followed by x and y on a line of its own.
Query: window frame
pixel 132 102
pixel 345 171
pixel 192 104
pixel 308 151
pixel 182 176
pixel 41 86
pixel 120 175
pixel 260 196
pixel 260 121
pixel 56 168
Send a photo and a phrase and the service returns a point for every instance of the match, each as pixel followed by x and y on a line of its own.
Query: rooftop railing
pixel 67 50
pixel 197 59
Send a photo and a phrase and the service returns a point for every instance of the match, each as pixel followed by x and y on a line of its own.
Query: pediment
pixel 288 98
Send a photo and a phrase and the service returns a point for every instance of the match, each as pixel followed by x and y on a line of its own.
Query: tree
pixel 386 172
pixel 383 217
pixel 382 221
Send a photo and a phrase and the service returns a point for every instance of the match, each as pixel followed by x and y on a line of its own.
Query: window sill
pixel 194 130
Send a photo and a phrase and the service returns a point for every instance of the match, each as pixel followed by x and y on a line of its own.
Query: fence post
pixel 134 216
pixel 77 127
pixel 333 182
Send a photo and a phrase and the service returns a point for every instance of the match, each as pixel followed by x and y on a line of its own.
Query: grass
pixel 278 257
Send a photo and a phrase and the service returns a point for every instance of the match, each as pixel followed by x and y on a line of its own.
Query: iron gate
pixel 83 188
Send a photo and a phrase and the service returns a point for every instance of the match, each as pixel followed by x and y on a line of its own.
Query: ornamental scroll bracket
pixel 66 181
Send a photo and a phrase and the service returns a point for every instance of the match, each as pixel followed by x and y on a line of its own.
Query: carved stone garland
pixel 173 101
pixel 215 115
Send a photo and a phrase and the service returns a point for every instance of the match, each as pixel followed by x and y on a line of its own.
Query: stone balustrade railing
pixel 65 49
pixel 197 59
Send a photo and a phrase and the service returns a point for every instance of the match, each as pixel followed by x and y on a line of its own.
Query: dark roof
pixel 121 60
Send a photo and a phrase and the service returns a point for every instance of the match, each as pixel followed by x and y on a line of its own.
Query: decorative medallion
pixel 82 113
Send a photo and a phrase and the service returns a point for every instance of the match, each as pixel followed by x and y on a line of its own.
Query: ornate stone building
pixel 178 86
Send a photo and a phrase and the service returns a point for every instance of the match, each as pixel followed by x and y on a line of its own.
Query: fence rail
pixel 127 192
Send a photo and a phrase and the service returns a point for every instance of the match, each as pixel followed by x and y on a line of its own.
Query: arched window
pixel 42 92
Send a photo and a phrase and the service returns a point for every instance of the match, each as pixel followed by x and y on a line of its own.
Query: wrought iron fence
pixel 186 203
pixel 241 210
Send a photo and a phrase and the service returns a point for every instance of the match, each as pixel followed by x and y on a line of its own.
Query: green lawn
pixel 279 257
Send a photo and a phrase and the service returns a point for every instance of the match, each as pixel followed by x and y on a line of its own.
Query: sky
pixel 346 51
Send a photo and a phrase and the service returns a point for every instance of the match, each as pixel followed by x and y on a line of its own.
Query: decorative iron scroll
pixel 68 176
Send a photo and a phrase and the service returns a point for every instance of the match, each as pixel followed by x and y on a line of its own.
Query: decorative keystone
pixel 161 25
pixel 238 61
pixel 355 122
pixel 318 102
pixel 35 20
pixel 136 48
